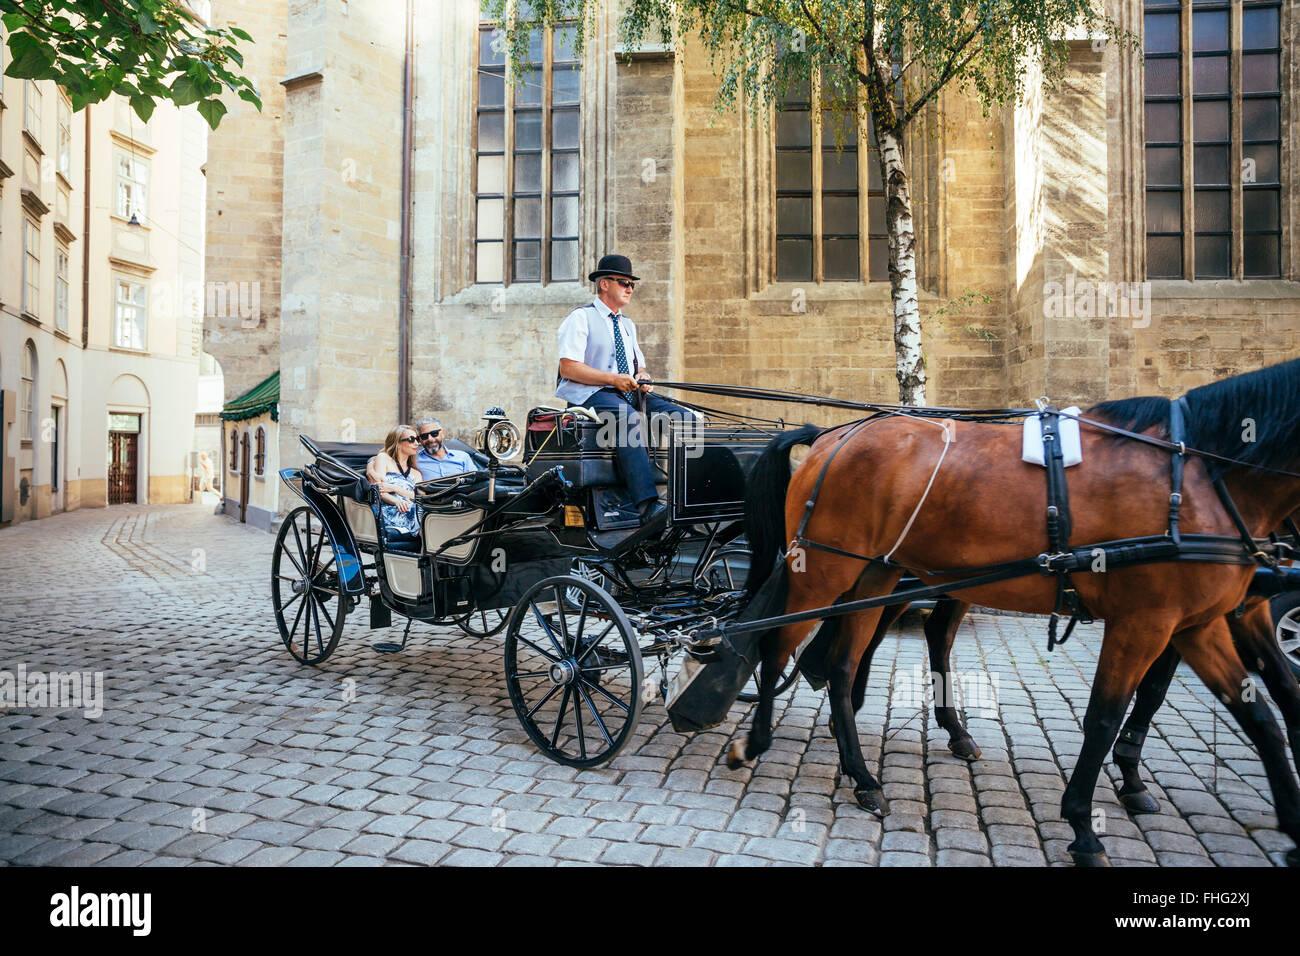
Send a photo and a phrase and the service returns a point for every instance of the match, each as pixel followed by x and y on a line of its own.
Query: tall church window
pixel 823 230
pixel 527 173
pixel 1213 138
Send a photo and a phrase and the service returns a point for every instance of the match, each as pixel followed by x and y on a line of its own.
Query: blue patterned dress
pixel 395 522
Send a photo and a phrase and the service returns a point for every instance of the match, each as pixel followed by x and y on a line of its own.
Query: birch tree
pixel 892 57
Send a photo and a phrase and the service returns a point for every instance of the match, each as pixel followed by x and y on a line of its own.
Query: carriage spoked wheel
pixel 484 623
pixel 574 672
pixel 309 605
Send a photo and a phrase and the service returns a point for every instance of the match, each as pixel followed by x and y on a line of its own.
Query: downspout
pixel 404 280
pixel 85 240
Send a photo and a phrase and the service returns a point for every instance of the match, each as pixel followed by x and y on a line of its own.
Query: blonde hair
pixel 390 443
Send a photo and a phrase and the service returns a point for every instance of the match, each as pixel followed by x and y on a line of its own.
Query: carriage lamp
pixel 500 440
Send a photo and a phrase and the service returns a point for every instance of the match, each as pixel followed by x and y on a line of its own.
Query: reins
pixel 1061 558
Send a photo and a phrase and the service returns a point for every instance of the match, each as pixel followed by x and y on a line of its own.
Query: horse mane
pixel 1263 405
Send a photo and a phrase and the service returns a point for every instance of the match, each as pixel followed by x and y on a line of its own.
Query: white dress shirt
pixel 587 336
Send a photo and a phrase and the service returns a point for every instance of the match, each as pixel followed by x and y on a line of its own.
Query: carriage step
pixel 388 647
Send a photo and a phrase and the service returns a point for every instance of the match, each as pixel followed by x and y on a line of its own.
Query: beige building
pixel 1110 237
pixel 101 271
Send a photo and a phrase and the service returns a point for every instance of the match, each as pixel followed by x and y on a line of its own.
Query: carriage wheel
pixel 309 606
pixel 728 570
pixel 574 673
pixel 484 623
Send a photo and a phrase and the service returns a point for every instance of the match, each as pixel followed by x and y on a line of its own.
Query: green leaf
pixel 241 34
pixel 148 26
pixel 250 96
pixel 212 111
pixel 33 64
pixel 13 21
pixel 185 91
pixel 143 106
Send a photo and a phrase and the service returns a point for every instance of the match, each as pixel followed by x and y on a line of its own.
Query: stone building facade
pixel 1029 219
pixel 101 280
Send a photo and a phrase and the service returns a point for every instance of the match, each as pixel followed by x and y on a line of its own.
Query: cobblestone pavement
pixel 215 747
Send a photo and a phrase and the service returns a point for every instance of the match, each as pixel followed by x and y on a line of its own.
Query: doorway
pixel 123 458
pixel 56 472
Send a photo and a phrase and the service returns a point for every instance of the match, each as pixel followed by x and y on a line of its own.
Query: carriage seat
pixel 556 437
pixel 571 440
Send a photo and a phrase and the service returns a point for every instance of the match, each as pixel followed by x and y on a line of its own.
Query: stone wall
pixel 340 254
pixel 245 185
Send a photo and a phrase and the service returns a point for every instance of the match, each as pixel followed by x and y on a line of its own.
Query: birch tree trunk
pixel 902 269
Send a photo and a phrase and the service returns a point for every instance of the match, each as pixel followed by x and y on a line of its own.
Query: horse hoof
pixel 736 756
pixel 873 801
pixel 1084 858
pixel 1140 801
pixel 965 748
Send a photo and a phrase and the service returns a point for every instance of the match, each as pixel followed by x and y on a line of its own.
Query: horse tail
pixel 765 502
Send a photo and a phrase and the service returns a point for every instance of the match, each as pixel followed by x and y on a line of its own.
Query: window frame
pixel 511 197
pixel 32 116
pixel 120 305
pixel 31 266
pixel 1195 187
pixel 136 202
pixel 259 452
pixel 868 190
pixel 62 287
pixel 27 400
pixel 63 148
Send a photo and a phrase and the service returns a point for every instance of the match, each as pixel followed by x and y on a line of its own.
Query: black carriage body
pixel 705 468
pixel 462 562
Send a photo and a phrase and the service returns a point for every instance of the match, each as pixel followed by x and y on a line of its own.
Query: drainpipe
pixel 404 280
pixel 85 241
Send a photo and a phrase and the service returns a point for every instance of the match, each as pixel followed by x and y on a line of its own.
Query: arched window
pixel 259 454
pixel 28 405
pixel 234 450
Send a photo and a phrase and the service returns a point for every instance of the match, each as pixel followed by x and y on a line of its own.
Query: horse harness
pixel 1062 559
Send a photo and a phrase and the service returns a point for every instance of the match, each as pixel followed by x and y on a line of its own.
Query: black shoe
pixel 653 512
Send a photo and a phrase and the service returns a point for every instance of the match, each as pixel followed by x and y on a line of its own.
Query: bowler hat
pixel 613 266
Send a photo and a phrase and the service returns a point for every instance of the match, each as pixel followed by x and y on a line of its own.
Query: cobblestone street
pixel 214 746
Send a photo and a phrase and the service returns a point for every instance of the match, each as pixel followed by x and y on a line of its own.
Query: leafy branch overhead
pixel 148 51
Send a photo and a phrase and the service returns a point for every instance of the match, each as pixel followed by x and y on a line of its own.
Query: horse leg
pixel 1127 651
pixel 940 632
pixel 1128 749
pixel 1252 633
pixel 888 615
pixel 858 634
pixel 1210 652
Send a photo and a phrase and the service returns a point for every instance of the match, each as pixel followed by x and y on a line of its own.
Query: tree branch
pixel 951 69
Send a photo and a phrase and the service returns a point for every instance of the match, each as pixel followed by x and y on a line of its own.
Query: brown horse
pixel 883 496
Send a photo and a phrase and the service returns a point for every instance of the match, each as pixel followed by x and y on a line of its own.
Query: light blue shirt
pixel 587 336
pixel 455 462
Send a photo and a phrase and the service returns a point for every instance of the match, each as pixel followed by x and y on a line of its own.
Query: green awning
pixel 261 398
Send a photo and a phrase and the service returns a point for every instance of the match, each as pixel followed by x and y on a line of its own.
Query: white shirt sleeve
pixel 573 336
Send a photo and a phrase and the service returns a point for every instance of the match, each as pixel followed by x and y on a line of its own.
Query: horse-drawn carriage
pixel 596 622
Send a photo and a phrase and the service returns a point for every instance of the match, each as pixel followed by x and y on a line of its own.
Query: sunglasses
pixel 410 438
pixel 433 434
pixel 626 283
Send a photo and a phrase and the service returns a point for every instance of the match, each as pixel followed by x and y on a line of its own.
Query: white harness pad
pixel 1031 446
